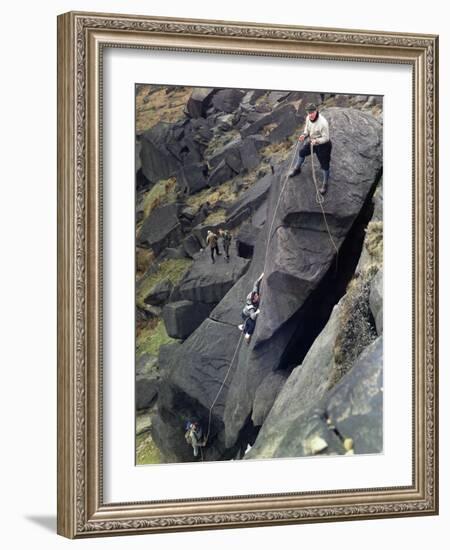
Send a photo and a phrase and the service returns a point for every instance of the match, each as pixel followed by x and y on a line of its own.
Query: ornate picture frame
pixel 82 39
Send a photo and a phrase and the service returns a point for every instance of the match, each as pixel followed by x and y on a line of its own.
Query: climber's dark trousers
pixel 249 324
pixel 323 152
pixel 216 249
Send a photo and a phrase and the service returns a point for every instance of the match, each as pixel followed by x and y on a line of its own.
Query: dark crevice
pixel 247 436
pixel 313 316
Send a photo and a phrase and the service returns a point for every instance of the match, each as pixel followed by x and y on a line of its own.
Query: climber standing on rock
pixel 226 241
pixel 211 241
pixel 317 133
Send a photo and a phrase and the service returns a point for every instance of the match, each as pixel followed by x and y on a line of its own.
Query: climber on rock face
pixel 211 241
pixel 226 241
pixel 251 310
pixel 194 436
pixel 317 133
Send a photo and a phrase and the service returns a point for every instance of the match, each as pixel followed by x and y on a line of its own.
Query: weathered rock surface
pixel 183 317
pixel 304 388
pixel 221 173
pixel 228 99
pixel 158 162
pixel 301 250
pixel 246 239
pixel 146 364
pixel 278 116
pixel 265 395
pixel 160 293
pixel 208 283
pixel 191 245
pixel 161 228
pixel 354 407
pixel 199 101
pixel 300 254
pixel 243 208
pixel 192 178
pixel 193 375
pixel 146 390
pixel 230 153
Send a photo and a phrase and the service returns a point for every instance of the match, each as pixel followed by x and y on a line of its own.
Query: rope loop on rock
pixel 320 199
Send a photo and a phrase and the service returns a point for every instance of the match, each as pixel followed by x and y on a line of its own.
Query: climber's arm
pixel 305 133
pixel 257 284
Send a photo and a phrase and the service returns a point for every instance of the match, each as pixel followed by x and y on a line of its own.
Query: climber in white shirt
pixel 318 132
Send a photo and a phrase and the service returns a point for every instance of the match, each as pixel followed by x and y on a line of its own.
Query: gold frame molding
pixel 81 39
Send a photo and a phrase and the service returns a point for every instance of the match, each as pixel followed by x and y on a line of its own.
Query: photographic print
pixel 235 335
pixel 259 274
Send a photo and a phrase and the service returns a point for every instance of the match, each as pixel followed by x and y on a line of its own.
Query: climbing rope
pixel 220 389
pixel 265 259
pixel 319 199
pixel 286 177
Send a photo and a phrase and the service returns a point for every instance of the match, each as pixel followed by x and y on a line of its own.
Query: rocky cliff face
pixel 311 379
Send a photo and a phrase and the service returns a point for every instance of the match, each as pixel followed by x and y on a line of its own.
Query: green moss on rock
pixel 146 450
pixel 163 192
pixel 357 327
pixel 151 338
pixel 172 269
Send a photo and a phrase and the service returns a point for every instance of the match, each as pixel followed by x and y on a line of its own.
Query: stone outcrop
pixel 183 317
pixel 299 291
pixel 162 228
pixel 208 283
pixel 310 381
pixel 305 412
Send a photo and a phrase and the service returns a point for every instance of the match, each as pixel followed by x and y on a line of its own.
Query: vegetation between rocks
pixel 172 270
pixel 356 321
pixel 151 338
pixel 146 450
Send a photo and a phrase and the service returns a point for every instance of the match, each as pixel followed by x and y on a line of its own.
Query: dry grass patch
pixel 374 241
pixel 219 216
pixel 223 192
pixel 146 450
pixel 356 324
pixel 144 259
pixel 219 141
pixel 151 337
pixel 172 269
pixel 278 152
pixel 164 191
pixel 267 129
pixel 152 108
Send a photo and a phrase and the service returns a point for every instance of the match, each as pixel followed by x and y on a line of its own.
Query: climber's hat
pixel 311 107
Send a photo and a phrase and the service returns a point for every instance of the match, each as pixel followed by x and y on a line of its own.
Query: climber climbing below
pixel 194 436
pixel 317 134
pixel 211 241
pixel 251 310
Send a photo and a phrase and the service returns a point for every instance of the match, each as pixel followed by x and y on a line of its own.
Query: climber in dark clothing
pixel 318 132
pixel 251 310
pixel 226 241
pixel 211 241
pixel 194 436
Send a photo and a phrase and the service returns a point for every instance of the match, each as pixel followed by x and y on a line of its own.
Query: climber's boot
pixel 326 176
pixel 298 167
